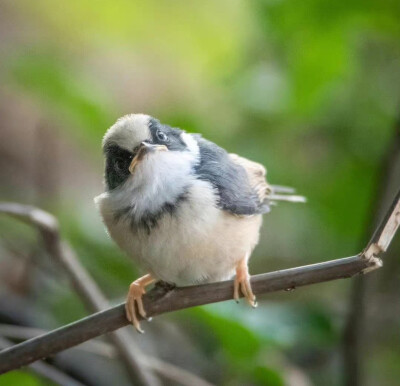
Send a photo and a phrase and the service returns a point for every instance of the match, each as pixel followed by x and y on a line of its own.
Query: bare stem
pixel 159 301
pixel 164 369
pixel 47 371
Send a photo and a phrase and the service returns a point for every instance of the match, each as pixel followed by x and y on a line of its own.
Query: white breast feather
pixel 168 173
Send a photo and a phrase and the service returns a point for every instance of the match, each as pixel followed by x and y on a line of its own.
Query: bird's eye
pixel 162 136
pixel 120 164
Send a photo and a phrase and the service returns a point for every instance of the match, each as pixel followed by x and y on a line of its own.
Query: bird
pixel 187 211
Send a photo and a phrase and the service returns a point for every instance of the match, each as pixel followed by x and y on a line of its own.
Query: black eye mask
pixel 117 166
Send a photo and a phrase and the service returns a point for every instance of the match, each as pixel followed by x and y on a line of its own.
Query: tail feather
pixel 282 189
pixel 289 197
pixel 284 193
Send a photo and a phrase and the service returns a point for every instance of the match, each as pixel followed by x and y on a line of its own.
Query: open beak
pixel 145 148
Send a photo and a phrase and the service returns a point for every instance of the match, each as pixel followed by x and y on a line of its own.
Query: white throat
pixel 160 178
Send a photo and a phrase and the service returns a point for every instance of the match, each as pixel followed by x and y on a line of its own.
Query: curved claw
pixel 242 281
pixel 134 301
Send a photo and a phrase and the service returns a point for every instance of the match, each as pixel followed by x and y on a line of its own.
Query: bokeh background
pixel 309 88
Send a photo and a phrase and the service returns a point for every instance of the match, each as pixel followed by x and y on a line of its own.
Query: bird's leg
pixel 242 280
pixel 135 293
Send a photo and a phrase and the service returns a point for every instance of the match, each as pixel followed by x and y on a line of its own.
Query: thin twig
pixel 161 300
pixel 94 299
pixel 21 333
pixel 46 371
pixel 164 369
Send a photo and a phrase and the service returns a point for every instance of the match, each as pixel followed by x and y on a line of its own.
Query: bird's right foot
pixel 134 298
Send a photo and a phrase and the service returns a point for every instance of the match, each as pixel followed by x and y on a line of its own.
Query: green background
pixel 310 88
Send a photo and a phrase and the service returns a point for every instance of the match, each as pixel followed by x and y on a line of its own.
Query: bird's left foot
pixel 242 280
pixel 134 297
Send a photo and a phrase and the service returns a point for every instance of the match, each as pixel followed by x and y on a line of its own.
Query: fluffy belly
pixel 198 243
pixel 184 257
pixel 195 251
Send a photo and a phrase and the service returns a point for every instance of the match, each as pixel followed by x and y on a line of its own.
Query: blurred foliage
pixel 309 88
pixel 21 378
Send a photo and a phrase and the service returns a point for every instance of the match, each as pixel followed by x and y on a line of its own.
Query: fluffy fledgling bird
pixel 186 210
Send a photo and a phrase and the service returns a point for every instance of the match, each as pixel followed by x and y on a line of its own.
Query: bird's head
pixel 140 149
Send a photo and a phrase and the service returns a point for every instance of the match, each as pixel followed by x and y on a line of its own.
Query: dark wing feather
pixel 239 193
pixel 256 174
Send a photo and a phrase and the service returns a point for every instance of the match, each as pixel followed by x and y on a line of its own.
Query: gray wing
pixel 238 192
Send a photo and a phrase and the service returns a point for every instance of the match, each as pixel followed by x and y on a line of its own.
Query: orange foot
pixel 135 293
pixel 242 280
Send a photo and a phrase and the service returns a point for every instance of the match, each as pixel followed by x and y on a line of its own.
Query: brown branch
pixel 164 369
pixel 161 300
pixel 136 364
pixel 47 371
pixel 20 333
